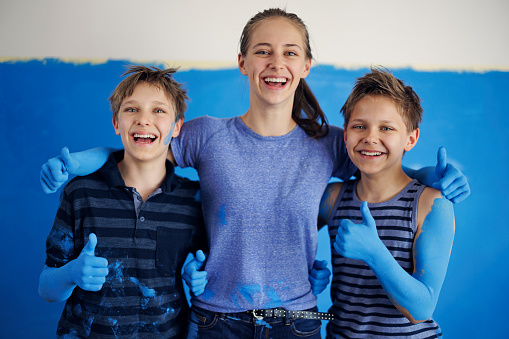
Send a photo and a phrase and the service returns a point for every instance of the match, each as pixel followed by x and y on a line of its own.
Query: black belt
pixel 282 313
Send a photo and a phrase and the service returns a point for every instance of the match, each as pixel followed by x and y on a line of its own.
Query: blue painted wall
pixel 47 104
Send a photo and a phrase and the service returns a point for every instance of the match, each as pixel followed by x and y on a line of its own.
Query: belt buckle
pixel 256 315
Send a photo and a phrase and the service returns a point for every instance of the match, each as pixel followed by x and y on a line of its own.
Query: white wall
pixel 432 34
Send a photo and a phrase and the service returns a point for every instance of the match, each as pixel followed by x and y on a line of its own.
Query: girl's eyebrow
pixel 269 45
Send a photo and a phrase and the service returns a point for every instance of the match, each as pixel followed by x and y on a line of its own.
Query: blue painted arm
pixel 414 295
pixel 87 271
pixel 444 177
pixel 55 172
pixel 196 280
pixel 319 277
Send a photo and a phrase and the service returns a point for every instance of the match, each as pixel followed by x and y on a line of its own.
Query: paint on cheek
pixel 167 139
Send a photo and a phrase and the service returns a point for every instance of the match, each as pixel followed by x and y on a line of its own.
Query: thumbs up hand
pixel 88 271
pixel 358 241
pixel 195 279
pixel 56 171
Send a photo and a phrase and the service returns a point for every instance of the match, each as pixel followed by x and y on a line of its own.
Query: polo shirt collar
pixel 113 178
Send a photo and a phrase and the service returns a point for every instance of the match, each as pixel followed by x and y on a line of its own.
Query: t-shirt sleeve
pixel 343 166
pixel 187 147
pixel 60 245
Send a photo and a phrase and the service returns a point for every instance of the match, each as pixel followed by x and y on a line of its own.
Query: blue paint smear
pixel 207 294
pixel 221 214
pixel 247 291
pixel 147 292
pixel 167 139
pixel 262 323
pixel 275 300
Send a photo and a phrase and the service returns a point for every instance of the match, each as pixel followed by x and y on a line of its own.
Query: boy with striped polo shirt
pixel 122 233
pixel 389 268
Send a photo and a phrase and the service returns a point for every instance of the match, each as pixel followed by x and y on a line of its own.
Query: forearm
pixel 425 175
pixel 54 284
pixel 413 298
pixel 91 160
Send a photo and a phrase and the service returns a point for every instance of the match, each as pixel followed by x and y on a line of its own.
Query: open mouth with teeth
pixel 371 153
pixel 277 82
pixel 144 138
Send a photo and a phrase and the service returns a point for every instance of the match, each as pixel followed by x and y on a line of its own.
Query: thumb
pixel 319 264
pixel 90 246
pixel 441 162
pixel 196 263
pixel 367 218
pixel 70 163
pixel 200 257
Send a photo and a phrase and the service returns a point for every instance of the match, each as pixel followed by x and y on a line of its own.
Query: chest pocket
pixel 172 247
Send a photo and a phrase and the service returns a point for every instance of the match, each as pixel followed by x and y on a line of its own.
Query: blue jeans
pixel 242 325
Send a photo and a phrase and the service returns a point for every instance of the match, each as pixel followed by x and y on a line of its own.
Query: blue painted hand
pixel 319 277
pixel 56 171
pixel 196 280
pixel 358 241
pixel 449 180
pixel 88 271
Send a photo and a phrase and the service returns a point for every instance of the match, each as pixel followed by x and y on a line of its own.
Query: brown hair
pixel 381 82
pixel 306 111
pixel 154 76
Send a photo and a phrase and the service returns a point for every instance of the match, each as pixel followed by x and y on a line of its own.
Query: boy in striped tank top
pixel 122 233
pixel 391 236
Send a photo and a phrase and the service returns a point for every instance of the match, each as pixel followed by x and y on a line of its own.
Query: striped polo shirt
pixel 143 295
pixel 361 306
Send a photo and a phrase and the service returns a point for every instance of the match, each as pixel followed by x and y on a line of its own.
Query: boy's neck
pixel 146 177
pixel 381 187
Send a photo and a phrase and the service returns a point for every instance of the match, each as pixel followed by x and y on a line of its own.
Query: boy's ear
pixel 412 139
pixel 178 126
pixel 115 125
pixel 242 64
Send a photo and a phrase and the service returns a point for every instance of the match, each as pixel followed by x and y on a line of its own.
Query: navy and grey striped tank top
pixel 361 306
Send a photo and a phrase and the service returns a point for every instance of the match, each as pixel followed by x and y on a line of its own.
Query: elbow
pixel 43 295
pixel 413 321
pixel 421 314
pixel 417 317
pixel 44 291
pixel 46 296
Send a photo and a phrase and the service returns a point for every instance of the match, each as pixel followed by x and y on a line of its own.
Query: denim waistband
pixel 249 316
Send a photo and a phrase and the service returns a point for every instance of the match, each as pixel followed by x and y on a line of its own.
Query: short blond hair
pixel 161 78
pixel 380 82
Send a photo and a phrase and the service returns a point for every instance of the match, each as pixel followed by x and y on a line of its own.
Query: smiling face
pixel 275 62
pixel 146 124
pixel 376 136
